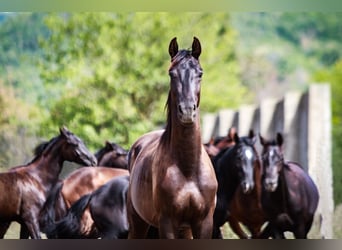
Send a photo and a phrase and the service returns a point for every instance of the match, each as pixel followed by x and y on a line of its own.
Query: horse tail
pixel 48 213
pixel 70 226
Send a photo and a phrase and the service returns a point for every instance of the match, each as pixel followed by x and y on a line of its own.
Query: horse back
pixel 85 180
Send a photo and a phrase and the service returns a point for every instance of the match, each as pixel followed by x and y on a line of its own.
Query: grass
pixel 13 231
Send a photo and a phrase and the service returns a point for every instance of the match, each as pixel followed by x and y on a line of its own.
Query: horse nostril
pixel 194 107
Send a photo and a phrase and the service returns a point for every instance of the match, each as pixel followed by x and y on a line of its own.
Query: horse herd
pixel 168 185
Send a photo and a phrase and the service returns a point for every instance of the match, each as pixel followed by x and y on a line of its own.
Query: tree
pixel 108 71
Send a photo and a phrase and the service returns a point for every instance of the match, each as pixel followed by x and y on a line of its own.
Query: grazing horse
pixel 289 197
pixel 112 155
pixel 24 189
pixel 172 181
pixel 234 170
pixel 78 183
pixel 107 206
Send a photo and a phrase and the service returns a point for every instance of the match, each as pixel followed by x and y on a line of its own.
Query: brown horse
pixel 24 188
pixel 246 208
pixel 112 155
pixel 172 182
pixel 80 182
pixel 289 197
pixel 217 145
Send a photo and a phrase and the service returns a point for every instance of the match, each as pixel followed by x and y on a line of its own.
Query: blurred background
pixel 105 75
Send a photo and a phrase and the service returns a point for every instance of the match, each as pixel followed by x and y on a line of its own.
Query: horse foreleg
pixel 137 226
pixel 235 226
pixel 299 232
pixel 3 228
pixel 33 228
pixel 24 232
pixel 203 229
pixel 167 229
pixel 220 217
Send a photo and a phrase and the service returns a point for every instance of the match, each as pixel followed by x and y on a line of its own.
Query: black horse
pixel 289 196
pixel 107 206
pixel 234 167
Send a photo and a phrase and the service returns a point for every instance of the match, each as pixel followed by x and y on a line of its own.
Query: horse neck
pixel 49 165
pixel 184 143
pixel 282 186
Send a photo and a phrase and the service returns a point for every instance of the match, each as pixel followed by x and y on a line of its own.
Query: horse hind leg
pixel 3 228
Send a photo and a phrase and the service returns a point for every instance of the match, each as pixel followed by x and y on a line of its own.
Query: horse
pixel 112 155
pixel 172 181
pixel 78 183
pixel 24 188
pixel 289 197
pixel 246 208
pixel 220 143
pixel 107 206
pixel 234 169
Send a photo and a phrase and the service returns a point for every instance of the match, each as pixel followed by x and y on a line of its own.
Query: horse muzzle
pixel 247 187
pixel 187 113
pixel 270 185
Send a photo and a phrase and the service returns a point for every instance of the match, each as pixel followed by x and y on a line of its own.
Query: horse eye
pixel 172 74
pixel 200 74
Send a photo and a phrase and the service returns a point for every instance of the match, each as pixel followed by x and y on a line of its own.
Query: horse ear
pixel 196 48
pixel 173 47
pixel 280 139
pixel 252 136
pixel 211 142
pixel 262 140
pixel 64 131
pixel 108 145
pixel 236 138
pixel 231 133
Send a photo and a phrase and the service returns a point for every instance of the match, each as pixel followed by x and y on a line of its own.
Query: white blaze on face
pixel 248 154
pixel 271 153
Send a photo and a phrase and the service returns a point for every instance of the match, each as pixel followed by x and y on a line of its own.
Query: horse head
pixel 185 73
pixel 75 150
pixel 273 160
pixel 245 159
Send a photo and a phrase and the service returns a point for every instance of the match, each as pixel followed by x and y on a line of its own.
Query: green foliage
pixel 333 76
pixel 19 51
pixel 280 51
pixel 108 71
pixel 17 121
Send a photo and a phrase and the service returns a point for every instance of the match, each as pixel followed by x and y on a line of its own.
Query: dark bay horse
pixel 78 183
pixel 172 181
pixel 112 155
pixel 290 197
pixel 107 206
pixel 246 208
pixel 234 169
pixel 24 188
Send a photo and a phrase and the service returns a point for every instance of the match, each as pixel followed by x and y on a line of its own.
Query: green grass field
pixel 13 232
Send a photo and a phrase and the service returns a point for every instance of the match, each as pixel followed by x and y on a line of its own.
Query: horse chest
pixel 184 193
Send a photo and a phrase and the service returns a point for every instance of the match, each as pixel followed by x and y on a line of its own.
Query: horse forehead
pixel 185 63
